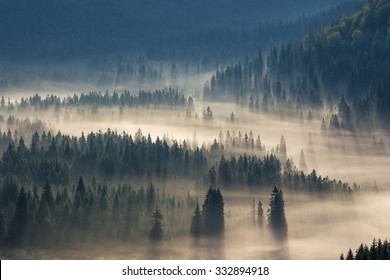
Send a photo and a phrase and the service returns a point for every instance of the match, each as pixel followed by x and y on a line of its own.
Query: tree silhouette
pixel 276 216
pixel 260 215
pixel 213 212
pixel 196 222
pixel 156 230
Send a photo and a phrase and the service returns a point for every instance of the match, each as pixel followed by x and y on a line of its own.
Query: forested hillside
pixel 75 28
pixel 345 65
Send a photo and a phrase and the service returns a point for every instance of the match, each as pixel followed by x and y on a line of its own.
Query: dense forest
pixel 345 65
pixel 194 129
pixel 78 28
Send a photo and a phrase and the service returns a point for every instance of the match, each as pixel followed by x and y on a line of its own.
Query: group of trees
pixel 60 159
pixel 223 44
pixel 94 212
pixel 378 250
pixel 87 212
pixel 168 97
pixel 346 65
pixel 211 220
pixel 74 29
pixel 260 173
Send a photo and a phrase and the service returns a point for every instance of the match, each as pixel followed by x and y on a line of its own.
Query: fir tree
pixel 276 216
pixel 213 212
pixel 156 230
pixel 196 222
pixel 260 215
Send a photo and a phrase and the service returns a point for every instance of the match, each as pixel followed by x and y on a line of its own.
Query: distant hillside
pixel 348 62
pixel 67 28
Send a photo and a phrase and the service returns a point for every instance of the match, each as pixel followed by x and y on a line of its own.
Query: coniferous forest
pixel 195 129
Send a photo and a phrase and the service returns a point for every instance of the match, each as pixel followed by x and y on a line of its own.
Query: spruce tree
pixel 213 212
pixel 156 230
pixel 196 222
pixel 276 216
pixel 349 255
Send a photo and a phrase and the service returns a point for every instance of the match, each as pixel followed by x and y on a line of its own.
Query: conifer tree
pixel 156 230
pixel 213 212
pixel 276 216
pixel 196 222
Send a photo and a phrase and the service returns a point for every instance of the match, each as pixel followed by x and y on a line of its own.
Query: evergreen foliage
pixel 378 250
pixel 196 222
pixel 276 216
pixel 156 230
pixel 213 213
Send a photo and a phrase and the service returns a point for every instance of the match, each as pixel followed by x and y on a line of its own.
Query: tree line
pixel 61 158
pixel 168 97
pixel 345 65
pixel 377 250
pixel 85 212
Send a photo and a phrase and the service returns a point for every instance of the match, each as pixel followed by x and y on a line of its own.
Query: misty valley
pixel 196 141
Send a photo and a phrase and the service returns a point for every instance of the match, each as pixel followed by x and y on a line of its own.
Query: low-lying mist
pixel 317 229
pixel 353 157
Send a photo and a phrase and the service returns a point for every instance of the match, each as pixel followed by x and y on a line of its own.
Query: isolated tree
pixel 196 222
pixel 156 230
pixel 213 212
pixel 276 216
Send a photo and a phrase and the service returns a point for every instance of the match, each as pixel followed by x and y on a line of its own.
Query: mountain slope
pixel 78 27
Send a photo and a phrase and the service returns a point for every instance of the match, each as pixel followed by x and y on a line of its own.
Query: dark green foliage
pixel 100 155
pixel 196 222
pixel 276 217
pixel 168 97
pixel 156 230
pixel 18 229
pixel 213 213
pixel 346 65
pixel 378 250
pixel 88 212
